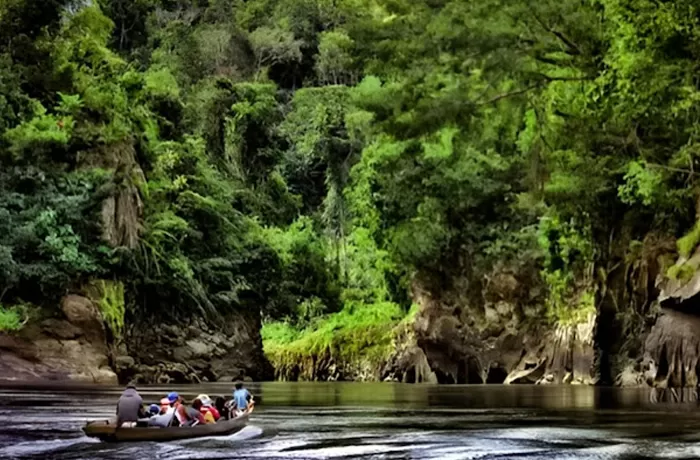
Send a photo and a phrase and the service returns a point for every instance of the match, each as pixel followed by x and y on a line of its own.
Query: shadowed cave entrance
pixel 497 374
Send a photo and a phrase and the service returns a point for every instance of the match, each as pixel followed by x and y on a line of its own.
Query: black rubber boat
pixel 106 430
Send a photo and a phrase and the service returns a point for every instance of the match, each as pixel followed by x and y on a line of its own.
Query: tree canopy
pixel 306 157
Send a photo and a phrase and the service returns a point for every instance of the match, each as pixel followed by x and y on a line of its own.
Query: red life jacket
pixel 212 410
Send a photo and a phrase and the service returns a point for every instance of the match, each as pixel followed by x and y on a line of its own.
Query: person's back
pixel 241 397
pixel 129 406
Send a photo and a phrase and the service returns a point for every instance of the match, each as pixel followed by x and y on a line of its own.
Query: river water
pixel 374 421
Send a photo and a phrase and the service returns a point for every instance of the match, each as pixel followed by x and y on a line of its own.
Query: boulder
pixel 78 309
pixel 61 329
pixel 81 312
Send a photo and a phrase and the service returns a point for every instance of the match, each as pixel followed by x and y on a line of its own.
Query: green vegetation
pixel 111 303
pixel 356 336
pixel 10 319
pixel 315 160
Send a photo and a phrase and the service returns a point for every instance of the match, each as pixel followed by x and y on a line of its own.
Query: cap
pixel 205 400
pixel 173 396
pixel 165 402
pixel 154 409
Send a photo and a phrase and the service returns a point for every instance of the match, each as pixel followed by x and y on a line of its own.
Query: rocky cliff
pixel 645 331
pixel 74 344
pixel 494 331
pixel 194 351
pixel 70 345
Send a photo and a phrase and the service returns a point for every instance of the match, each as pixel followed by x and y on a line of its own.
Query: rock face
pixel 672 351
pixel 409 363
pixel 194 351
pixel 70 346
pixel 472 332
pixel 502 337
pixel 666 346
pixel 74 345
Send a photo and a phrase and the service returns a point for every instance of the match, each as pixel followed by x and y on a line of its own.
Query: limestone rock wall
pixel 503 338
pixel 194 351
pixel 72 345
pixel 672 351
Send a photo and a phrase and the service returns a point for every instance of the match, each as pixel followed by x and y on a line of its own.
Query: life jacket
pixel 210 410
pixel 211 415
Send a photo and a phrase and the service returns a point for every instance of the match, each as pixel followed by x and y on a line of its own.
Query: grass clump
pixel 13 318
pixel 358 334
pixel 109 296
pixel 686 245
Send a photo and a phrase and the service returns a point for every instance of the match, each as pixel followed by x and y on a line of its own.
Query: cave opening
pixel 410 376
pixel 496 375
pixel 462 372
pixel 444 378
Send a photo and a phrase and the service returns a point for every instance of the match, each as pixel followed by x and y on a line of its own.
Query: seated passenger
pixel 221 408
pixel 242 399
pixel 162 420
pixel 153 410
pixel 166 406
pixel 195 412
pixel 129 406
pixel 211 415
pixel 183 415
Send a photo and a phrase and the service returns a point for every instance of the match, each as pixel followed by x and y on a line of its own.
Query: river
pixel 374 421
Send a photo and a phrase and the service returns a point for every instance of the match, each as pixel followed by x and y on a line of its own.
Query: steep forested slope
pixel 426 189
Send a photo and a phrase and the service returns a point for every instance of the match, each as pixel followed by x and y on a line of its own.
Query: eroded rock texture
pixel 194 351
pixel 495 331
pixel 72 345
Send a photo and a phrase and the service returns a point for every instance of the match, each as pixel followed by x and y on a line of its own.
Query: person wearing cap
pixel 153 410
pixel 165 416
pixel 211 415
pixel 129 406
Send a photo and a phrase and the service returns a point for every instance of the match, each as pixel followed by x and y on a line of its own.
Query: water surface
pixel 375 421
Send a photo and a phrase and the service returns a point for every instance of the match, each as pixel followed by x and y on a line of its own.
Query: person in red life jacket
pixel 211 415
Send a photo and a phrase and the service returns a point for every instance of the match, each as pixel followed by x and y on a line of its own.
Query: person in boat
pixel 209 412
pixel 242 399
pixel 221 408
pixel 164 417
pixel 129 406
pixel 197 406
pixel 166 406
pixel 182 415
pixel 153 410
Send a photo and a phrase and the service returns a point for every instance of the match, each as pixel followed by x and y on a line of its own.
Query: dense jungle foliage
pixel 314 158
